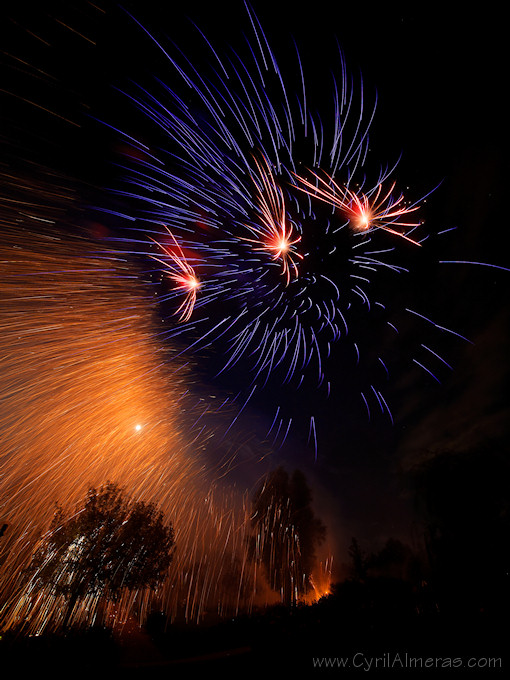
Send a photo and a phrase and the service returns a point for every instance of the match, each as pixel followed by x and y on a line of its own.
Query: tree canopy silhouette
pixel 108 544
pixel 464 501
pixel 286 532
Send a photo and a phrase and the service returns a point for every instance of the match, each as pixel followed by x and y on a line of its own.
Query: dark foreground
pixel 358 630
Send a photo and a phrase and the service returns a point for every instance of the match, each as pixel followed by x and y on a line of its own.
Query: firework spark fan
pixel 266 231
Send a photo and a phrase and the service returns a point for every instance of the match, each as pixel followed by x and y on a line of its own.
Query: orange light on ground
pixel 82 372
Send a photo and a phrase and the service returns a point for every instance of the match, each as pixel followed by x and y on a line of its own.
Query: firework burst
pixel 285 235
pixel 181 274
pixel 275 235
pixel 365 212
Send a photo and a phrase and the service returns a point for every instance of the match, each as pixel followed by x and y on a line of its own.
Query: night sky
pixel 440 78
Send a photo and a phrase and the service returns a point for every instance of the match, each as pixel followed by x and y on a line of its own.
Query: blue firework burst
pixel 264 225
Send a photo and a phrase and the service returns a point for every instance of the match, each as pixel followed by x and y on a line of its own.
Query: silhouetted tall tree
pixel 286 532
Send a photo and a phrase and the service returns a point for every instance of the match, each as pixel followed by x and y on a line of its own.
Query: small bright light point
pixel 138 427
pixel 363 221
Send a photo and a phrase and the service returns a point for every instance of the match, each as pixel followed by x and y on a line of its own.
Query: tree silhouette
pixel 464 501
pixel 108 545
pixel 359 561
pixel 286 532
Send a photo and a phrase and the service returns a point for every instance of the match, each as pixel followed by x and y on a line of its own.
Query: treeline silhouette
pixel 446 597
